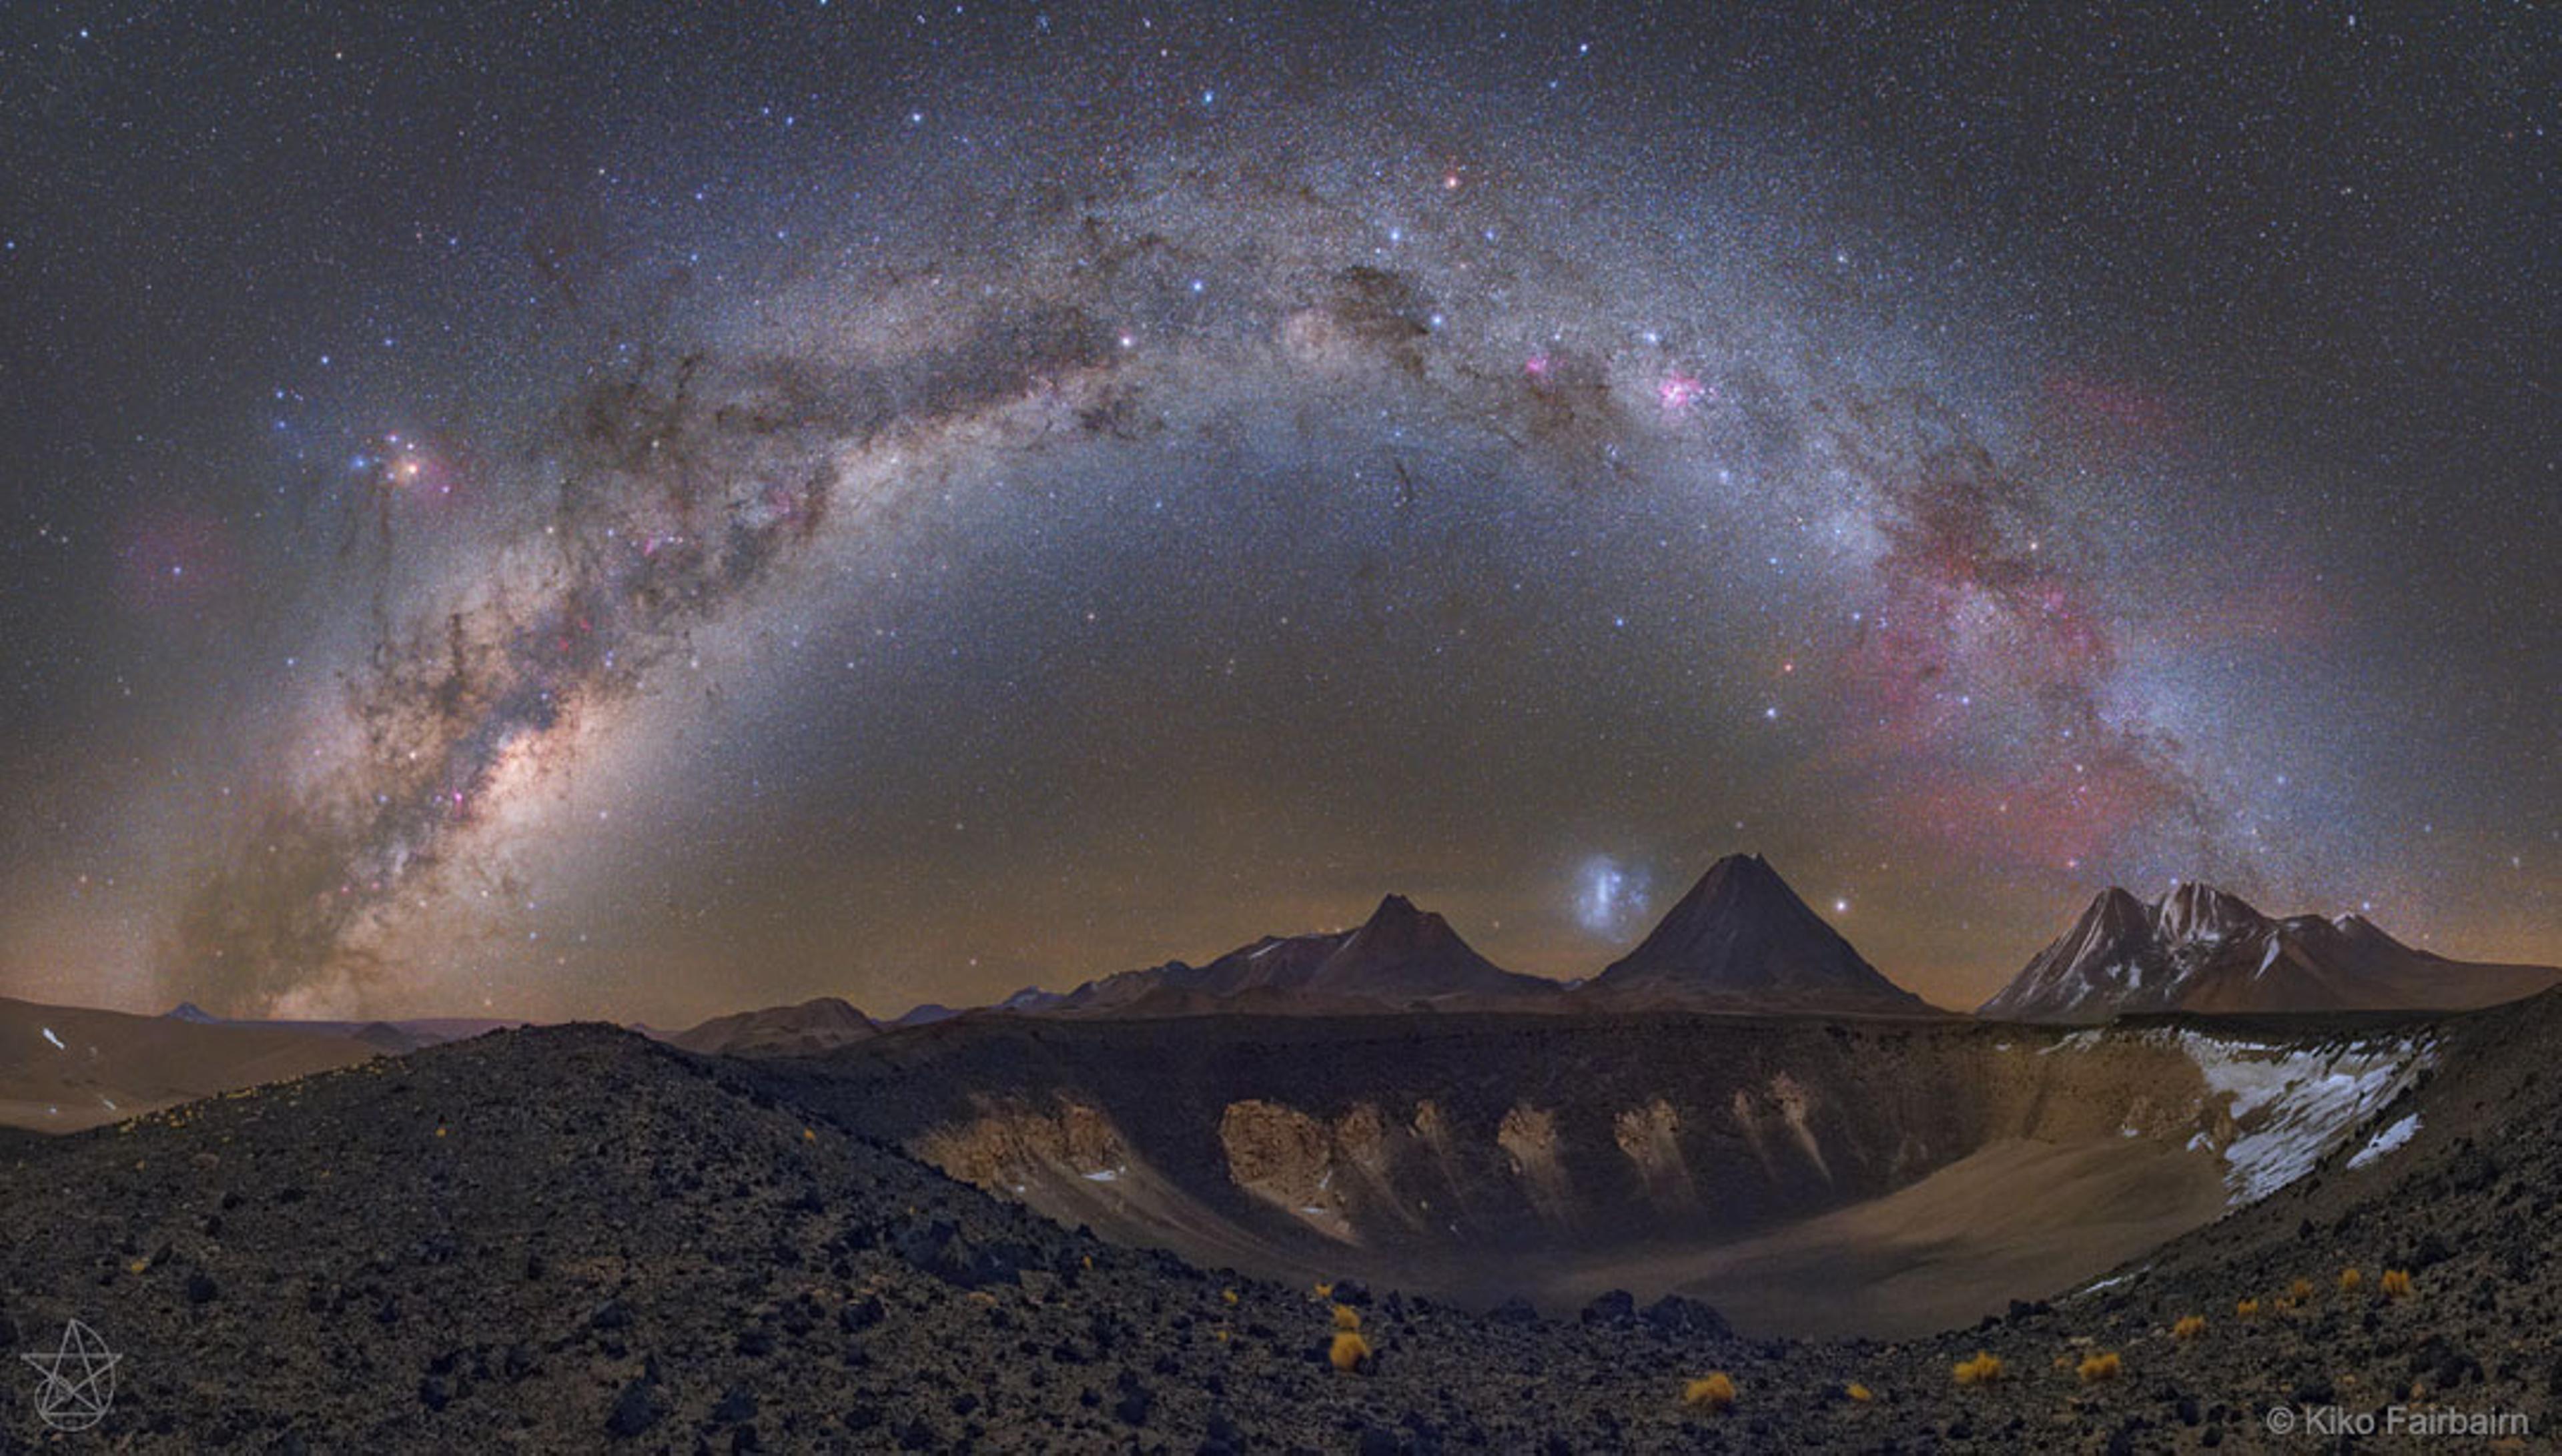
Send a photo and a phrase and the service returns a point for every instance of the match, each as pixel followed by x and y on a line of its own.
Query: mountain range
pixel 805 1029
pixel 1740 940
pixel 1400 956
pixel 2200 949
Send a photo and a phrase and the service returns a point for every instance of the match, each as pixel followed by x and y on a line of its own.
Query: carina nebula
pixel 913 506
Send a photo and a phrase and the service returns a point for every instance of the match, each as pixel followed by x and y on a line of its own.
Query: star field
pixel 562 515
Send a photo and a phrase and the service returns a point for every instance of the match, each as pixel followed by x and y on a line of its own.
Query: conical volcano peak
pixel 1742 871
pixel 1746 882
pixel 1400 921
pixel 1403 954
pixel 1743 936
pixel 1393 909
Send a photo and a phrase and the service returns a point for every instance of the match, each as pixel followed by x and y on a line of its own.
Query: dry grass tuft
pixel 1350 1351
pixel 2096 1367
pixel 2189 1327
pixel 1983 1370
pixel 1712 1392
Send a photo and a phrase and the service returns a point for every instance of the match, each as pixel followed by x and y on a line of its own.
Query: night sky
pixel 562 515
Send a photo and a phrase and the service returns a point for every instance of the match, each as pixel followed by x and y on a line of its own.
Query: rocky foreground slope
pixel 573 1239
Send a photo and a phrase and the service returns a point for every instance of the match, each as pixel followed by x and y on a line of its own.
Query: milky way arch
pixel 689 483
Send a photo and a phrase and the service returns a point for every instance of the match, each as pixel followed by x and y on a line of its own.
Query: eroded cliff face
pixel 999 1151
pixel 1446 1149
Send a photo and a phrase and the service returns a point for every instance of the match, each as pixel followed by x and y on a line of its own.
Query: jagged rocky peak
pixel 2201 949
pixel 2195 910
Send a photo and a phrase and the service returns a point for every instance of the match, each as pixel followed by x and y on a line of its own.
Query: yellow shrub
pixel 1859 1392
pixel 1228 1296
pixel 1983 1370
pixel 2097 1367
pixel 2301 1290
pixel 1350 1351
pixel 1712 1392
pixel 2397 1283
pixel 1346 1318
pixel 2349 1279
pixel 2190 1327
pixel 1324 1290
pixel 2247 1309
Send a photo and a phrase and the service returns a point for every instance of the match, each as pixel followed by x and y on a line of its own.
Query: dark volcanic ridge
pixel 408 1033
pixel 573 1239
pixel 1400 958
pixel 2199 949
pixel 806 1029
pixel 1741 941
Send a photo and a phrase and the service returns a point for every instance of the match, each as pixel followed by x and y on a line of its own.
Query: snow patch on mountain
pixel 2271 1111
pixel 2077 1041
pixel 2291 1106
pixel 2386 1140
